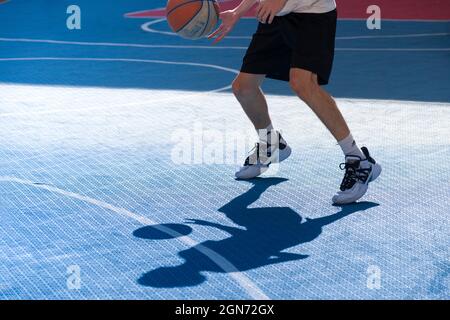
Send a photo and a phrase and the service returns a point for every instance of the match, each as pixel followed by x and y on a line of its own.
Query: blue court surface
pixel 119 142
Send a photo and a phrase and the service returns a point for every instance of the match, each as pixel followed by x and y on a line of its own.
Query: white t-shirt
pixel 308 6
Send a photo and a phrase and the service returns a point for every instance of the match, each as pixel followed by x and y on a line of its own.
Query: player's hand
pixel 267 9
pixel 229 19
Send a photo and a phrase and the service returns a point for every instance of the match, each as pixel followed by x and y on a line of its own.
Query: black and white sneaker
pixel 262 155
pixel 358 174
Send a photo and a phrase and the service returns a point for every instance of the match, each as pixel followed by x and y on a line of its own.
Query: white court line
pixel 234 71
pixel 211 47
pixel 55 111
pixel 122 60
pixel 339 19
pixel 127 15
pixel 153 101
pixel 115 44
pixel 146 27
pixel 251 288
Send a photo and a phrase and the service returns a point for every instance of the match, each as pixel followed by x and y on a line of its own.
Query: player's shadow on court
pixel 261 239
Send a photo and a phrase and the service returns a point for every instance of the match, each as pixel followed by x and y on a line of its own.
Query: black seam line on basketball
pixel 207 21
pixel 184 3
pixel 193 17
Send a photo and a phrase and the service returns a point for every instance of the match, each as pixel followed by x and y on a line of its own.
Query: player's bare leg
pixel 305 85
pixel 360 167
pixel 271 146
pixel 247 89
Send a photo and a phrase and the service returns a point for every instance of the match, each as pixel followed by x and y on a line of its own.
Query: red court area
pixel 354 9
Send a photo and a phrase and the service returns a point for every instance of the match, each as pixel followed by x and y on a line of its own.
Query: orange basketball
pixel 192 19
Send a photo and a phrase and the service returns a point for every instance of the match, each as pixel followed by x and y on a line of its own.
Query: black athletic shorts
pixel 296 40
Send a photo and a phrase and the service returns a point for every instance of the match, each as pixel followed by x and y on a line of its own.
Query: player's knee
pixel 303 86
pixel 242 89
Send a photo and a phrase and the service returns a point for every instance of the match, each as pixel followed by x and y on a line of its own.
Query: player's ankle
pixel 264 134
pixel 350 148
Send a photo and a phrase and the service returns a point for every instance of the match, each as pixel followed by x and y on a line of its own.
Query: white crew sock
pixel 263 133
pixel 349 147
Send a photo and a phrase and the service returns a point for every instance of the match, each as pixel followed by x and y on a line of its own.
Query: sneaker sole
pixel 260 169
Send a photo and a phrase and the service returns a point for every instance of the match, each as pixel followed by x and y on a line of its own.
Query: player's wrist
pixel 237 13
pixel 243 7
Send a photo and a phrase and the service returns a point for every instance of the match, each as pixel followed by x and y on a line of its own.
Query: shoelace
pixel 268 152
pixel 352 174
pixel 256 147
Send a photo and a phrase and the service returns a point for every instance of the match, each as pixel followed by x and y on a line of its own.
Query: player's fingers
pixel 260 12
pixel 271 17
pixel 258 9
pixel 213 34
pixel 216 32
pixel 220 37
pixel 260 15
pixel 265 16
pixel 216 37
